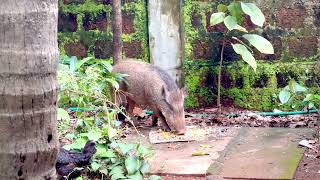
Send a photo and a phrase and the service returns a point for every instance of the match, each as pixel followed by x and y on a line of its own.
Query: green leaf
pixel 217 18
pixel 259 42
pixel 145 167
pixel 113 82
pixel 136 176
pixel 284 96
pixel 143 151
pixel 117 176
pixel 311 105
pixel 116 173
pixel 299 88
pixel 70 136
pixel 245 54
pixel 94 135
pixel 222 8
pixel 63 115
pixel 107 65
pixel 112 132
pixel 235 10
pixel 155 177
pixel 231 23
pixel 81 62
pixel 102 152
pixel 254 12
pixel 125 148
pixel 132 165
pixel 79 178
pixel 73 62
pixel 95 166
pixel 78 144
pixel 104 171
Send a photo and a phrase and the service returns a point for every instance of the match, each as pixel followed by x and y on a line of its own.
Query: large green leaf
pixel 136 176
pixel 95 166
pixel 294 87
pixel 73 63
pixel 284 96
pixel 245 54
pixel 78 144
pixel 132 165
pixel 217 18
pixel 235 10
pixel 94 135
pixel 116 170
pixel 145 167
pixel 259 42
pixel 254 12
pixel 81 62
pixel 63 115
pixel 102 152
pixel 231 23
pixel 222 8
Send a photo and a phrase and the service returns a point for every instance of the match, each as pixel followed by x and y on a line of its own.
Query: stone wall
pixel 85 28
pixel 293 27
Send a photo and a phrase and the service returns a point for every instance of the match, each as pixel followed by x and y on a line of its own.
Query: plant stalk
pixel 219 77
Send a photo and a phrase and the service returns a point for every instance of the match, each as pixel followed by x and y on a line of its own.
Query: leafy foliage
pixel 295 96
pixel 86 84
pixel 232 17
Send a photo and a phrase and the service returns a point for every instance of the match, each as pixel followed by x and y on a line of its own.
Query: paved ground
pixel 232 153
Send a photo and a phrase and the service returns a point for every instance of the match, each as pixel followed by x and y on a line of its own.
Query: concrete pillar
pixel 166 36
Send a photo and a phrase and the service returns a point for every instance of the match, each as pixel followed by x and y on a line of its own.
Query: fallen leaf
pixel 199 153
pixel 205 146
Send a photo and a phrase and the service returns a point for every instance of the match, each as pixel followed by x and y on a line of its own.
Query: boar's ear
pixel 184 91
pixel 164 93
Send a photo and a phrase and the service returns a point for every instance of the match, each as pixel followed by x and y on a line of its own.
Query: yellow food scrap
pixel 165 135
pixel 200 153
pixel 205 146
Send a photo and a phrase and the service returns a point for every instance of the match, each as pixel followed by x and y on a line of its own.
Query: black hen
pixel 68 160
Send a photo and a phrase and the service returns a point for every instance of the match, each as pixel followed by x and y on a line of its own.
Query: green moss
pixel 291 163
pixel 139 9
pixel 89 6
pixel 257 91
pixel 92 10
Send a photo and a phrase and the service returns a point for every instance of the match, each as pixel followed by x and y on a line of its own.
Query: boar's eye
pixel 169 105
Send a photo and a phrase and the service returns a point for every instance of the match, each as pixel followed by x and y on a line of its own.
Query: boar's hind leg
pixel 130 105
pixel 154 120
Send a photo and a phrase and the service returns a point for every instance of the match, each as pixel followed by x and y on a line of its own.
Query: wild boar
pixel 149 86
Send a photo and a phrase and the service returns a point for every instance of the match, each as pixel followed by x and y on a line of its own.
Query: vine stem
pixel 219 76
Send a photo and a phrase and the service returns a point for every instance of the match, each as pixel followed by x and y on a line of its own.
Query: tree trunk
pixel 28 89
pixel 117 30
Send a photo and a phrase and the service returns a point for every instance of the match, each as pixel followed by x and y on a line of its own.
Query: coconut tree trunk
pixel 28 89
pixel 117 30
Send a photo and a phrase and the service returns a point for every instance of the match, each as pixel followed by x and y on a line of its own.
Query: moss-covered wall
pixel 292 26
pixel 85 28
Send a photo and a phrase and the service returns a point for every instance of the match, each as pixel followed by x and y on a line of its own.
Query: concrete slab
pixel 233 153
pixel 262 153
pixel 176 158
